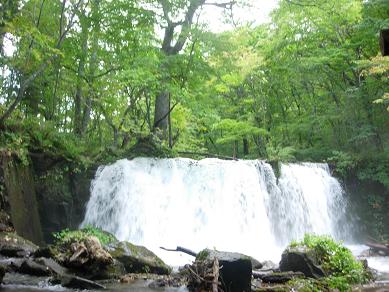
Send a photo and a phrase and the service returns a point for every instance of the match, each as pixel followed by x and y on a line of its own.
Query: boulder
pixel 13 245
pixel 256 264
pixel 112 271
pixel 53 266
pixel 75 282
pixel 33 268
pixel 301 260
pixel 137 259
pixel 235 269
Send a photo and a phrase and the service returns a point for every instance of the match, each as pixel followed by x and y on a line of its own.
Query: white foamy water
pixel 228 205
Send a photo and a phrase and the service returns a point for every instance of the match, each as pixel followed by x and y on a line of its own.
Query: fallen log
pixel 378 247
pixel 181 249
pixel 207 155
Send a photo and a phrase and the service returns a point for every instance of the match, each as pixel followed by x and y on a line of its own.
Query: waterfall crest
pixel 228 205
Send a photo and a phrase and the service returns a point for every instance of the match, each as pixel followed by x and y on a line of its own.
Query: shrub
pixel 336 260
pixel 67 236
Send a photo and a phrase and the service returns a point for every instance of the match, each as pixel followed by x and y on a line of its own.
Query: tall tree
pixel 173 44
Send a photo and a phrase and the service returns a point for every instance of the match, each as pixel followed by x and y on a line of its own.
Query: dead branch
pixel 181 249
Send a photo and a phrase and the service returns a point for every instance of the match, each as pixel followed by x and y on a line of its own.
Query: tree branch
pixel 165 115
pixel 226 5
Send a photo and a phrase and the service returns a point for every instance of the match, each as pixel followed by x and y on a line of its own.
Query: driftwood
pixel 204 276
pixel 181 249
pixel 379 247
pixel 215 271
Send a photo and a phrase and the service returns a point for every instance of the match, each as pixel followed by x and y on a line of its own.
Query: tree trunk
pixel 93 65
pixel 78 97
pixel 162 109
pixel 245 146
pixel 161 113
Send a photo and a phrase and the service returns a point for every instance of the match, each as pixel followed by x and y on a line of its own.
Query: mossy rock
pixel 301 259
pixel 149 146
pixel 137 259
pixel 13 245
pixel 308 285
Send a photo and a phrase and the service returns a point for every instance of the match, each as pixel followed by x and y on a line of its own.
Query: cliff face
pixel 62 193
pixel 18 198
pixel 62 197
pixel 41 198
pixel 369 206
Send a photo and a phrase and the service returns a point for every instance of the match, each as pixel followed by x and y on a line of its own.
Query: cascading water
pixel 228 205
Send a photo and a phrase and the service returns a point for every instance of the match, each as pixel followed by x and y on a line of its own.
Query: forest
pixel 86 80
pixel 310 85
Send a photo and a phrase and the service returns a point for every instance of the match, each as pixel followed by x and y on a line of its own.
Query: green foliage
pixel 67 236
pixel 343 269
pixel 202 255
pixel 375 169
pixel 344 162
pixel 278 153
pixel 233 130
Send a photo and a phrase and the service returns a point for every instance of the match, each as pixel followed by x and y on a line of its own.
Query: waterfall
pixel 228 205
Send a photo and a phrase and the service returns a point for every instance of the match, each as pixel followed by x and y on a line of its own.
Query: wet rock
pixel 52 265
pixel 76 282
pixel 2 273
pixel 281 278
pixel 301 260
pixel 256 264
pixel 137 259
pixel 11 264
pixel 13 245
pixel 111 271
pixel 176 281
pixel 159 283
pixel 48 251
pixel 17 279
pixel 235 269
pixel 30 267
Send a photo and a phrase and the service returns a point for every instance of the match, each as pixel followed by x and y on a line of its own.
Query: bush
pixel 67 236
pixel 336 260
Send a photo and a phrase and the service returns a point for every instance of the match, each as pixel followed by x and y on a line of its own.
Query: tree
pixel 171 47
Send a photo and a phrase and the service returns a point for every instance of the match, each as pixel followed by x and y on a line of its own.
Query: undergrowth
pixel 336 260
pixel 67 236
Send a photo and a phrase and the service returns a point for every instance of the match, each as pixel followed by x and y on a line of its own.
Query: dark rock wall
pixel 62 198
pixel 18 198
pixel 43 197
pixel 369 205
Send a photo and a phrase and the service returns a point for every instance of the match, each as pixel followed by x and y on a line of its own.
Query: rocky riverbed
pixel 84 263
